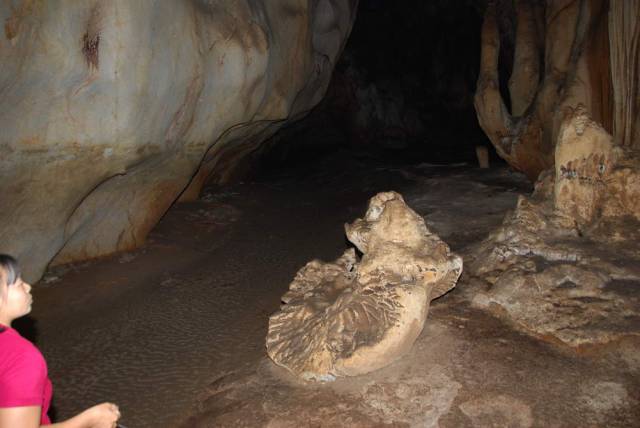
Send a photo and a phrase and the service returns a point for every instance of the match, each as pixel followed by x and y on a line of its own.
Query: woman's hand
pixel 103 415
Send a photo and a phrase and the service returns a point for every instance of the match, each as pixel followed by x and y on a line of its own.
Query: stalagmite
pixel 482 153
pixel 565 264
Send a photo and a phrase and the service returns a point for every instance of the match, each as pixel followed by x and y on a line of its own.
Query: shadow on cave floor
pixel 152 329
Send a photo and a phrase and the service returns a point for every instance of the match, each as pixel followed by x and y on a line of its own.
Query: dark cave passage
pixel 399 93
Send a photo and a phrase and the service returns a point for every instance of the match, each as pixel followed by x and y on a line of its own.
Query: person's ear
pixel 3 286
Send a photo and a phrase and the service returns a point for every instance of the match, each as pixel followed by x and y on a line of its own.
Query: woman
pixel 25 389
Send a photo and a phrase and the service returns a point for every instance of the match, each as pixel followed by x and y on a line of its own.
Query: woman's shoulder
pixel 14 347
pixel 23 371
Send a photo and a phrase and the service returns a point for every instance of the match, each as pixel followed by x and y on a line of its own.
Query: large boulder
pixel 110 109
pixel 565 264
pixel 352 316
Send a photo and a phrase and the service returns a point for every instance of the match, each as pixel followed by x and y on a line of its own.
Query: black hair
pixel 10 266
pixel 12 271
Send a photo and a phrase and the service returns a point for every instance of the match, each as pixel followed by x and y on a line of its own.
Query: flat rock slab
pixel 571 305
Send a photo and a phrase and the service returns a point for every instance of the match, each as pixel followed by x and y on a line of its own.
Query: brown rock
pixel 482 153
pixel 347 317
pixel 498 411
pixel 565 265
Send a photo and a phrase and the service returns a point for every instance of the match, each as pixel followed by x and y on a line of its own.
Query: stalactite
pixel 523 83
pixel 560 61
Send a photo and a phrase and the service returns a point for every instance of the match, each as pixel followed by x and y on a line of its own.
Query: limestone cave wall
pixel 110 110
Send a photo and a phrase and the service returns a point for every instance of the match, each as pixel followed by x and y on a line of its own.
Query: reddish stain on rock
pixel 91 39
pixel 90 45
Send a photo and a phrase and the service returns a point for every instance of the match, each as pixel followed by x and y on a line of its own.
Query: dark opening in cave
pixel 401 91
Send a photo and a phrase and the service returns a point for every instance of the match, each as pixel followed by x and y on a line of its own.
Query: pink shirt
pixel 24 378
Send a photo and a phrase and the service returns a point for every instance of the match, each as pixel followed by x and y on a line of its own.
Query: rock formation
pixel 109 110
pixel 565 265
pixel 351 317
pixel 562 53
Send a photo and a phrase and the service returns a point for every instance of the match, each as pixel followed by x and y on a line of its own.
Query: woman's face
pixel 16 301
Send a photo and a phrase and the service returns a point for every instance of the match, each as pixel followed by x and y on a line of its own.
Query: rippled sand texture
pixel 148 332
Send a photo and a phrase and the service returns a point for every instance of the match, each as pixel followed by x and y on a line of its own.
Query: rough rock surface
pixel 109 110
pixel 400 400
pixel 348 318
pixel 565 265
pixel 495 411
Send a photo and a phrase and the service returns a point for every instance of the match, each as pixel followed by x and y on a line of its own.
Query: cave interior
pixel 499 123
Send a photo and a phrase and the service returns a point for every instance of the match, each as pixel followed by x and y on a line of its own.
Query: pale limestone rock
pixel 585 158
pixel 347 317
pixel 565 265
pixel 110 109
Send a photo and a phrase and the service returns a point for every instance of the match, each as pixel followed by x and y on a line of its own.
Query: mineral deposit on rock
pixel 110 110
pixel 565 265
pixel 353 316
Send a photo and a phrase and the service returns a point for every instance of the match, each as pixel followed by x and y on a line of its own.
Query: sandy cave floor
pixel 174 332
